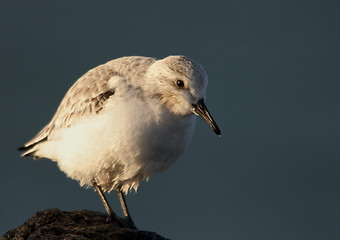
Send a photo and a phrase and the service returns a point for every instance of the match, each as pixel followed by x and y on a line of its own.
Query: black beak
pixel 201 109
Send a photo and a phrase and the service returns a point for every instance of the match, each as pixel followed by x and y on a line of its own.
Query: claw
pixel 108 219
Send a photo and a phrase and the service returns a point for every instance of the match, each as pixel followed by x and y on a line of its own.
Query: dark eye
pixel 179 83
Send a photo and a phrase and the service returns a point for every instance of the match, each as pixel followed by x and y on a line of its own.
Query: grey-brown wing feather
pixel 90 94
pixel 87 96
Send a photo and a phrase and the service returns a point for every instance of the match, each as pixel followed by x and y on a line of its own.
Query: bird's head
pixel 180 84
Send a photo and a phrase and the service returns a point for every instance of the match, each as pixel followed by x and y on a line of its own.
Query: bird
pixel 124 121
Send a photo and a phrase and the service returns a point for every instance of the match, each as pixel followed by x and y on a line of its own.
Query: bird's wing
pixel 86 97
pixel 90 93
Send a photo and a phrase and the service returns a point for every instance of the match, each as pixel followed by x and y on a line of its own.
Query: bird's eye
pixel 179 84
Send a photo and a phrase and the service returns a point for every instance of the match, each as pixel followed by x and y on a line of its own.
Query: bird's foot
pixel 108 219
pixel 127 222
pixel 130 222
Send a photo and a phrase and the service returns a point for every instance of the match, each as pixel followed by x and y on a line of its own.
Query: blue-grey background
pixel 274 90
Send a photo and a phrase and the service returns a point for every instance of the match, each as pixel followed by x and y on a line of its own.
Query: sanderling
pixel 124 121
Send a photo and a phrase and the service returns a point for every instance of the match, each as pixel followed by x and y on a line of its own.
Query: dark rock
pixel 82 225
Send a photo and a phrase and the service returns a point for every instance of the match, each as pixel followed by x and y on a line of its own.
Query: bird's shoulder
pixel 87 96
pixel 91 92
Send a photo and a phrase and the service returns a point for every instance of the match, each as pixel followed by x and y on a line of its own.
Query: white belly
pixel 122 145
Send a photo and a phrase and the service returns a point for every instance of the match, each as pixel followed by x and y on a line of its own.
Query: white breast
pixel 127 142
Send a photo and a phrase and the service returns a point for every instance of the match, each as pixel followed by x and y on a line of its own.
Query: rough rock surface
pixel 82 225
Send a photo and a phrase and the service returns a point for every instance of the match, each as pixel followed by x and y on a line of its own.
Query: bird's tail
pixel 30 149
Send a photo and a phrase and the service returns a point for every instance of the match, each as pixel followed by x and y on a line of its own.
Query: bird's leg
pixel 124 207
pixel 106 204
pixel 112 215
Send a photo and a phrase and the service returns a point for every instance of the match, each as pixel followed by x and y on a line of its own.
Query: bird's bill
pixel 202 110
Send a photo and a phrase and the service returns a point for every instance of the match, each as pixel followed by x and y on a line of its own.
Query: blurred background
pixel 274 82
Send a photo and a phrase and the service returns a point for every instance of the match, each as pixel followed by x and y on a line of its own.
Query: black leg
pixel 106 204
pixel 124 207
pixel 112 216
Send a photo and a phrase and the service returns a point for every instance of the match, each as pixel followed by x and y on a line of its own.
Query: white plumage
pixel 124 121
